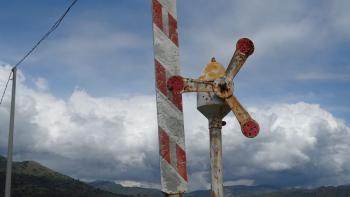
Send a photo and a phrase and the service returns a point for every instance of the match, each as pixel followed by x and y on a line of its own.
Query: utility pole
pixel 10 139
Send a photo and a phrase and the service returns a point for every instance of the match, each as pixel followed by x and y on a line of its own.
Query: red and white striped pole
pixel 173 167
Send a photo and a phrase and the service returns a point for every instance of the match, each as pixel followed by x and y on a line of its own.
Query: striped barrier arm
pixel 169 105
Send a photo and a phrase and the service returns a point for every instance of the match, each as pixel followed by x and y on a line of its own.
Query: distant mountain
pixel 232 191
pixel 270 191
pixel 330 191
pixel 31 179
pixel 238 191
pixel 31 168
pixel 133 191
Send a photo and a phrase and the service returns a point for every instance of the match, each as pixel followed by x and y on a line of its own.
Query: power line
pixel 7 83
pixel 52 28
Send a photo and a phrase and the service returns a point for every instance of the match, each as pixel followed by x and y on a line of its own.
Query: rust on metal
pixel 217 188
pixel 215 99
pixel 196 85
pixel 250 129
pixel 241 114
pixel 214 80
pixel 235 64
pixel 179 85
pixel 244 48
pixel 249 126
pixel 175 84
pixel 223 88
pixel 161 84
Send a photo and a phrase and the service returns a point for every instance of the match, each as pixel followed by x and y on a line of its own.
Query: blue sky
pixel 103 43
pixel 100 61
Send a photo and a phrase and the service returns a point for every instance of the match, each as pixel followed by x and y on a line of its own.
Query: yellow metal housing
pixel 212 71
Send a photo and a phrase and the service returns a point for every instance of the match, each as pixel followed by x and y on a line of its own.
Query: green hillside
pixel 31 179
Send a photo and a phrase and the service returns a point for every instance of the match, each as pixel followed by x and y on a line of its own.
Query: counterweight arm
pixel 244 48
pixel 250 128
pixel 222 85
pixel 179 85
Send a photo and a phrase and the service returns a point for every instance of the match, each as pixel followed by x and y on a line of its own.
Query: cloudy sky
pixel 86 98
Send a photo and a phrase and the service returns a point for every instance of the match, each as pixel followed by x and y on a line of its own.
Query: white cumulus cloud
pixel 115 138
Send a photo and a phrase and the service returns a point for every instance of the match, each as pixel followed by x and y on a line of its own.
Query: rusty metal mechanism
pixel 215 99
pixel 215 80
